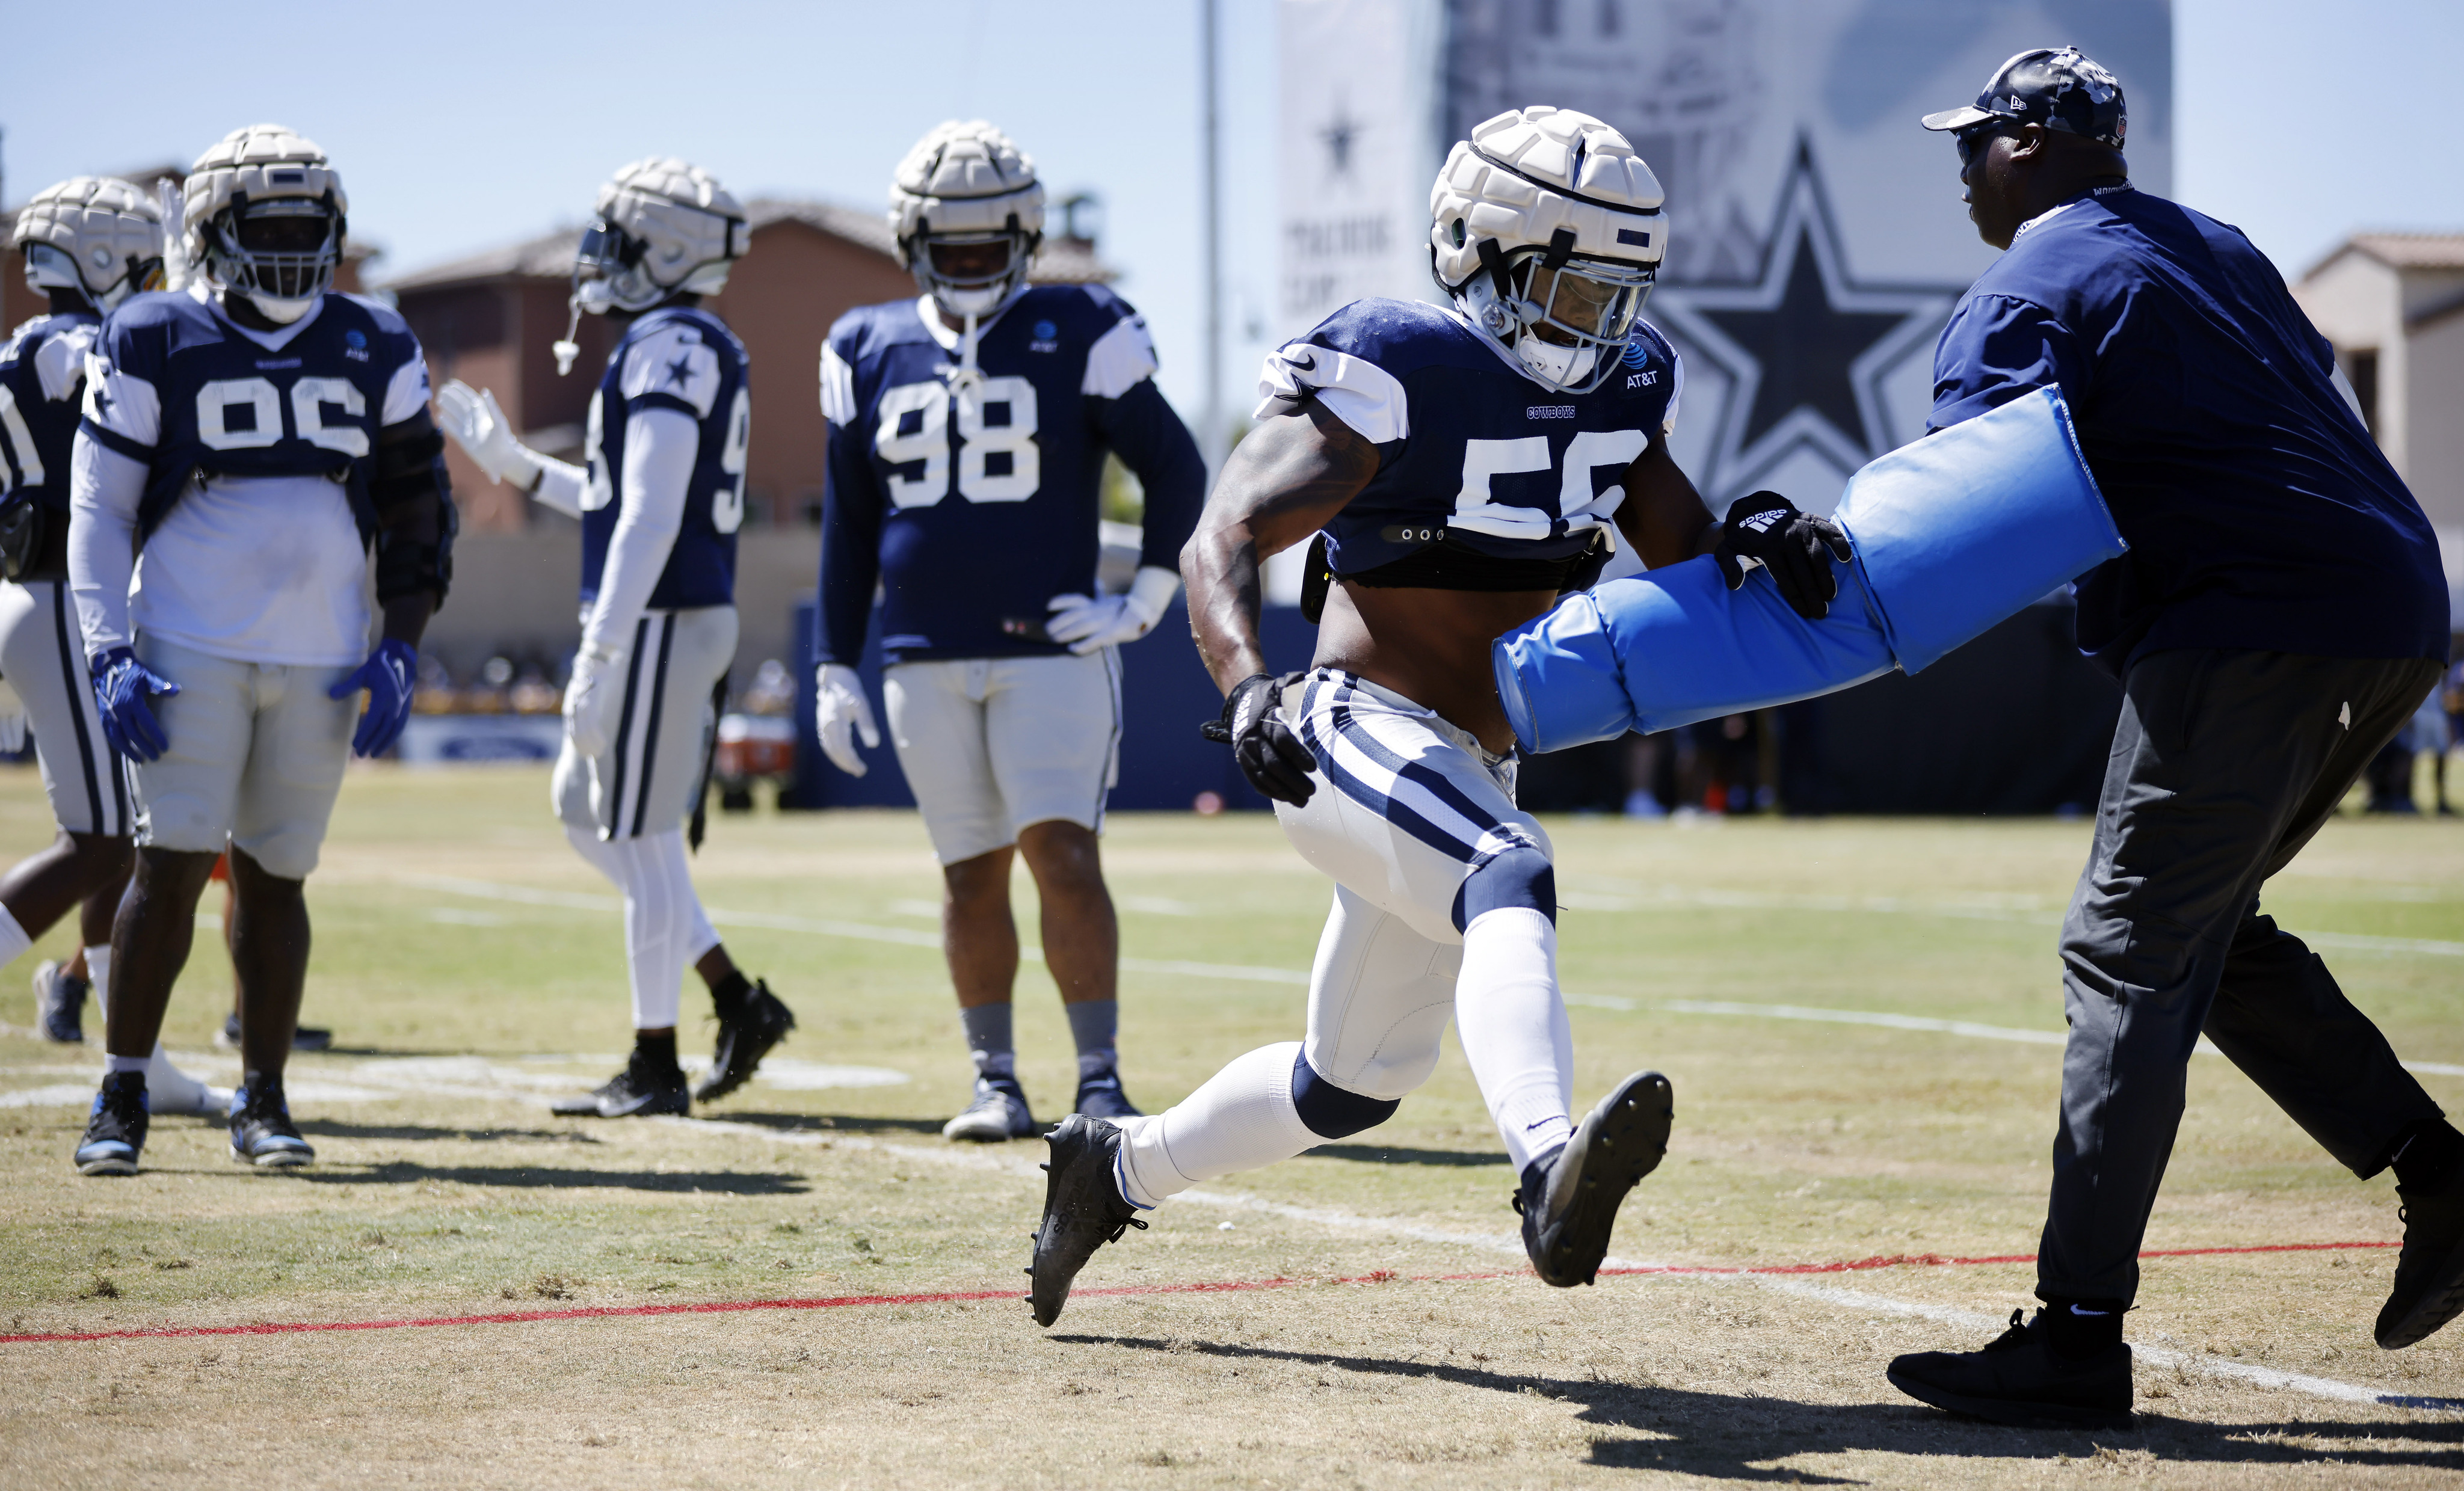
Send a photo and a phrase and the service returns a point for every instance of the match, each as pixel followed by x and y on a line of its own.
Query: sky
pixel 459 125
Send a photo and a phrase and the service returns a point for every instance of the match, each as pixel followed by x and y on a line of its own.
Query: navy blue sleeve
pixel 850 546
pixel 1157 449
pixel 1998 347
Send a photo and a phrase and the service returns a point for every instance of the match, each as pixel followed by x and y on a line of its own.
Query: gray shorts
pixel 991 745
pixel 255 757
pixel 43 657
pixel 646 782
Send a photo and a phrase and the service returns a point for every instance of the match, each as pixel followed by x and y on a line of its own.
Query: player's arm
pixel 661 444
pixel 851 516
pixel 416 524
pixel 107 470
pixel 1131 417
pixel 483 433
pixel 1665 520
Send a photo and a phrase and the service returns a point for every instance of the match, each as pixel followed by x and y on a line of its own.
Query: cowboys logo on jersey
pixel 682 359
pixel 978 491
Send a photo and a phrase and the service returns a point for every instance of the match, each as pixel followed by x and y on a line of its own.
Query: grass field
pixel 470 964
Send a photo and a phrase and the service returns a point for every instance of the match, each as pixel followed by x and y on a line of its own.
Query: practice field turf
pixel 1861 1021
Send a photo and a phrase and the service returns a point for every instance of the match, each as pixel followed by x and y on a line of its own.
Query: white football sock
pixel 1512 1022
pixel 98 973
pixel 1241 1118
pixel 659 915
pixel 12 937
pixel 174 1090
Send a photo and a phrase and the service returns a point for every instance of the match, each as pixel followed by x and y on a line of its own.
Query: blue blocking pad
pixel 1951 535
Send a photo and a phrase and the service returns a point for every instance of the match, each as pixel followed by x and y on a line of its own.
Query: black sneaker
pixel 1082 1210
pixel 641 1089
pixel 59 1003
pixel 2429 1272
pixel 1569 1200
pixel 2019 1378
pixel 744 1039
pixel 303 1038
pixel 262 1132
pixel 1100 1096
pixel 116 1135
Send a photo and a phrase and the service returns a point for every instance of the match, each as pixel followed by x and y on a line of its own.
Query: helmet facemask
pixel 281 253
pixel 971 275
pixel 49 267
pixel 1566 317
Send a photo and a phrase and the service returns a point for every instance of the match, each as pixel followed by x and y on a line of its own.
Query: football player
pixel 254 451
pixel 968 428
pixel 90 243
pixel 660 499
pixel 1459 468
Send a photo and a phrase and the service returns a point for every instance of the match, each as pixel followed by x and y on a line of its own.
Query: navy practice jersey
pixel 1471 451
pixel 687 361
pixel 181 389
pixel 974 502
pixel 40 370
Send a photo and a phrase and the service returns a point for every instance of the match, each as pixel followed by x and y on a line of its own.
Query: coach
pixel 2279 614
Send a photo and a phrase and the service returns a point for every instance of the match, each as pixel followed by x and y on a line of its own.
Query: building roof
pixel 1062 260
pixel 2400 250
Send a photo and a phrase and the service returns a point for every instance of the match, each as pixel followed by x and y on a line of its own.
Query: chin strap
pixel 567 349
pixel 967 375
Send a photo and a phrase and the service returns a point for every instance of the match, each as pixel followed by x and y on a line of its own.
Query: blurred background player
pixel 2278 617
pixel 90 243
pixel 251 452
pixel 1459 469
pixel 660 501
pixel 968 430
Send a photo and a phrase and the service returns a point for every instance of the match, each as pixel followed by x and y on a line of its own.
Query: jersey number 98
pixel 999 460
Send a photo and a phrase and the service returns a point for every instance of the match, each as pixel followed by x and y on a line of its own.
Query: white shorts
pixel 646 782
pixel 255 757
pixel 1408 808
pixel 991 745
pixel 43 657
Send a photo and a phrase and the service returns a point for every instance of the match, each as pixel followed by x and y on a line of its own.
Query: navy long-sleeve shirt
pixel 2260 513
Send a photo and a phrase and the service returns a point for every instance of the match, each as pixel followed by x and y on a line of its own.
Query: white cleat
pixel 998 1113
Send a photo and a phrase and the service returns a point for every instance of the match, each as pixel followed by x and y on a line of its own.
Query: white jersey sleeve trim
pixel 660 447
pixel 1676 390
pixel 673 361
pixel 838 388
pixel 104 489
pixel 407 393
pixel 122 402
pixel 1363 395
pixel 1121 359
pixel 60 361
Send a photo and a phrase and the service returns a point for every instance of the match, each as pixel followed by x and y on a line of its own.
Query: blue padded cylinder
pixel 1951 535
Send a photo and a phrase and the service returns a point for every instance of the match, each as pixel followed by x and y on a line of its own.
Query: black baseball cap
pixel 2058 88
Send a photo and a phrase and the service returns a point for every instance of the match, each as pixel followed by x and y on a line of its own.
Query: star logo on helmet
pixel 1798 357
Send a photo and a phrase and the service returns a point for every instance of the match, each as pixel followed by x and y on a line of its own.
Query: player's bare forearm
pixel 406 617
pixel 1662 515
pixel 1284 480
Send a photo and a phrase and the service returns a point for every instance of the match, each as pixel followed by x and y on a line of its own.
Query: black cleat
pixel 261 1130
pixel 1100 1096
pixel 2429 1272
pixel 744 1039
pixel 640 1090
pixel 2018 1378
pixel 116 1135
pixel 1082 1210
pixel 59 1003
pixel 303 1038
pixel 1570 1201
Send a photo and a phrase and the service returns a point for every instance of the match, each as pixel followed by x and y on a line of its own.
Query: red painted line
pixel 1215 1287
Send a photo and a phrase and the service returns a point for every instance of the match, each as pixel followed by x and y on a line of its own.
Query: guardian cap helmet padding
pixel 664 228
pixel 1546 230
pixel 258 174
pixel 96 235
pixel 966 184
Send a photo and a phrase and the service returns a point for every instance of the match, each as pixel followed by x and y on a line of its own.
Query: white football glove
pixel 590 699
pixel 840 711
pixel 1109 620
pixel 13 720
pixel 471 416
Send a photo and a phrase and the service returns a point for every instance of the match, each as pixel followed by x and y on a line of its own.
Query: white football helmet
pixel 266 215
pixel 664 228
pixel 1546 230
pixel 963 185
pixel 96 235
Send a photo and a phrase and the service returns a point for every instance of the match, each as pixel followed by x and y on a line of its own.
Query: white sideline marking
pixel 1512 1246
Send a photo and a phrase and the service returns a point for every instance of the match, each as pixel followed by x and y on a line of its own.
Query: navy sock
pixel 1096 1026
pixel 727 997
pixel 2428 1155
pixel 656 1052
pixel 2083 1328
pixel 988 1041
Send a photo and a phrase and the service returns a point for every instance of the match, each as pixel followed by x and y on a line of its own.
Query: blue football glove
pixel 121 685
pixel 388 675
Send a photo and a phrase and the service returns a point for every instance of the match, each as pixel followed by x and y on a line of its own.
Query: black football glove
pixel 1768 530
pixel 1270 755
